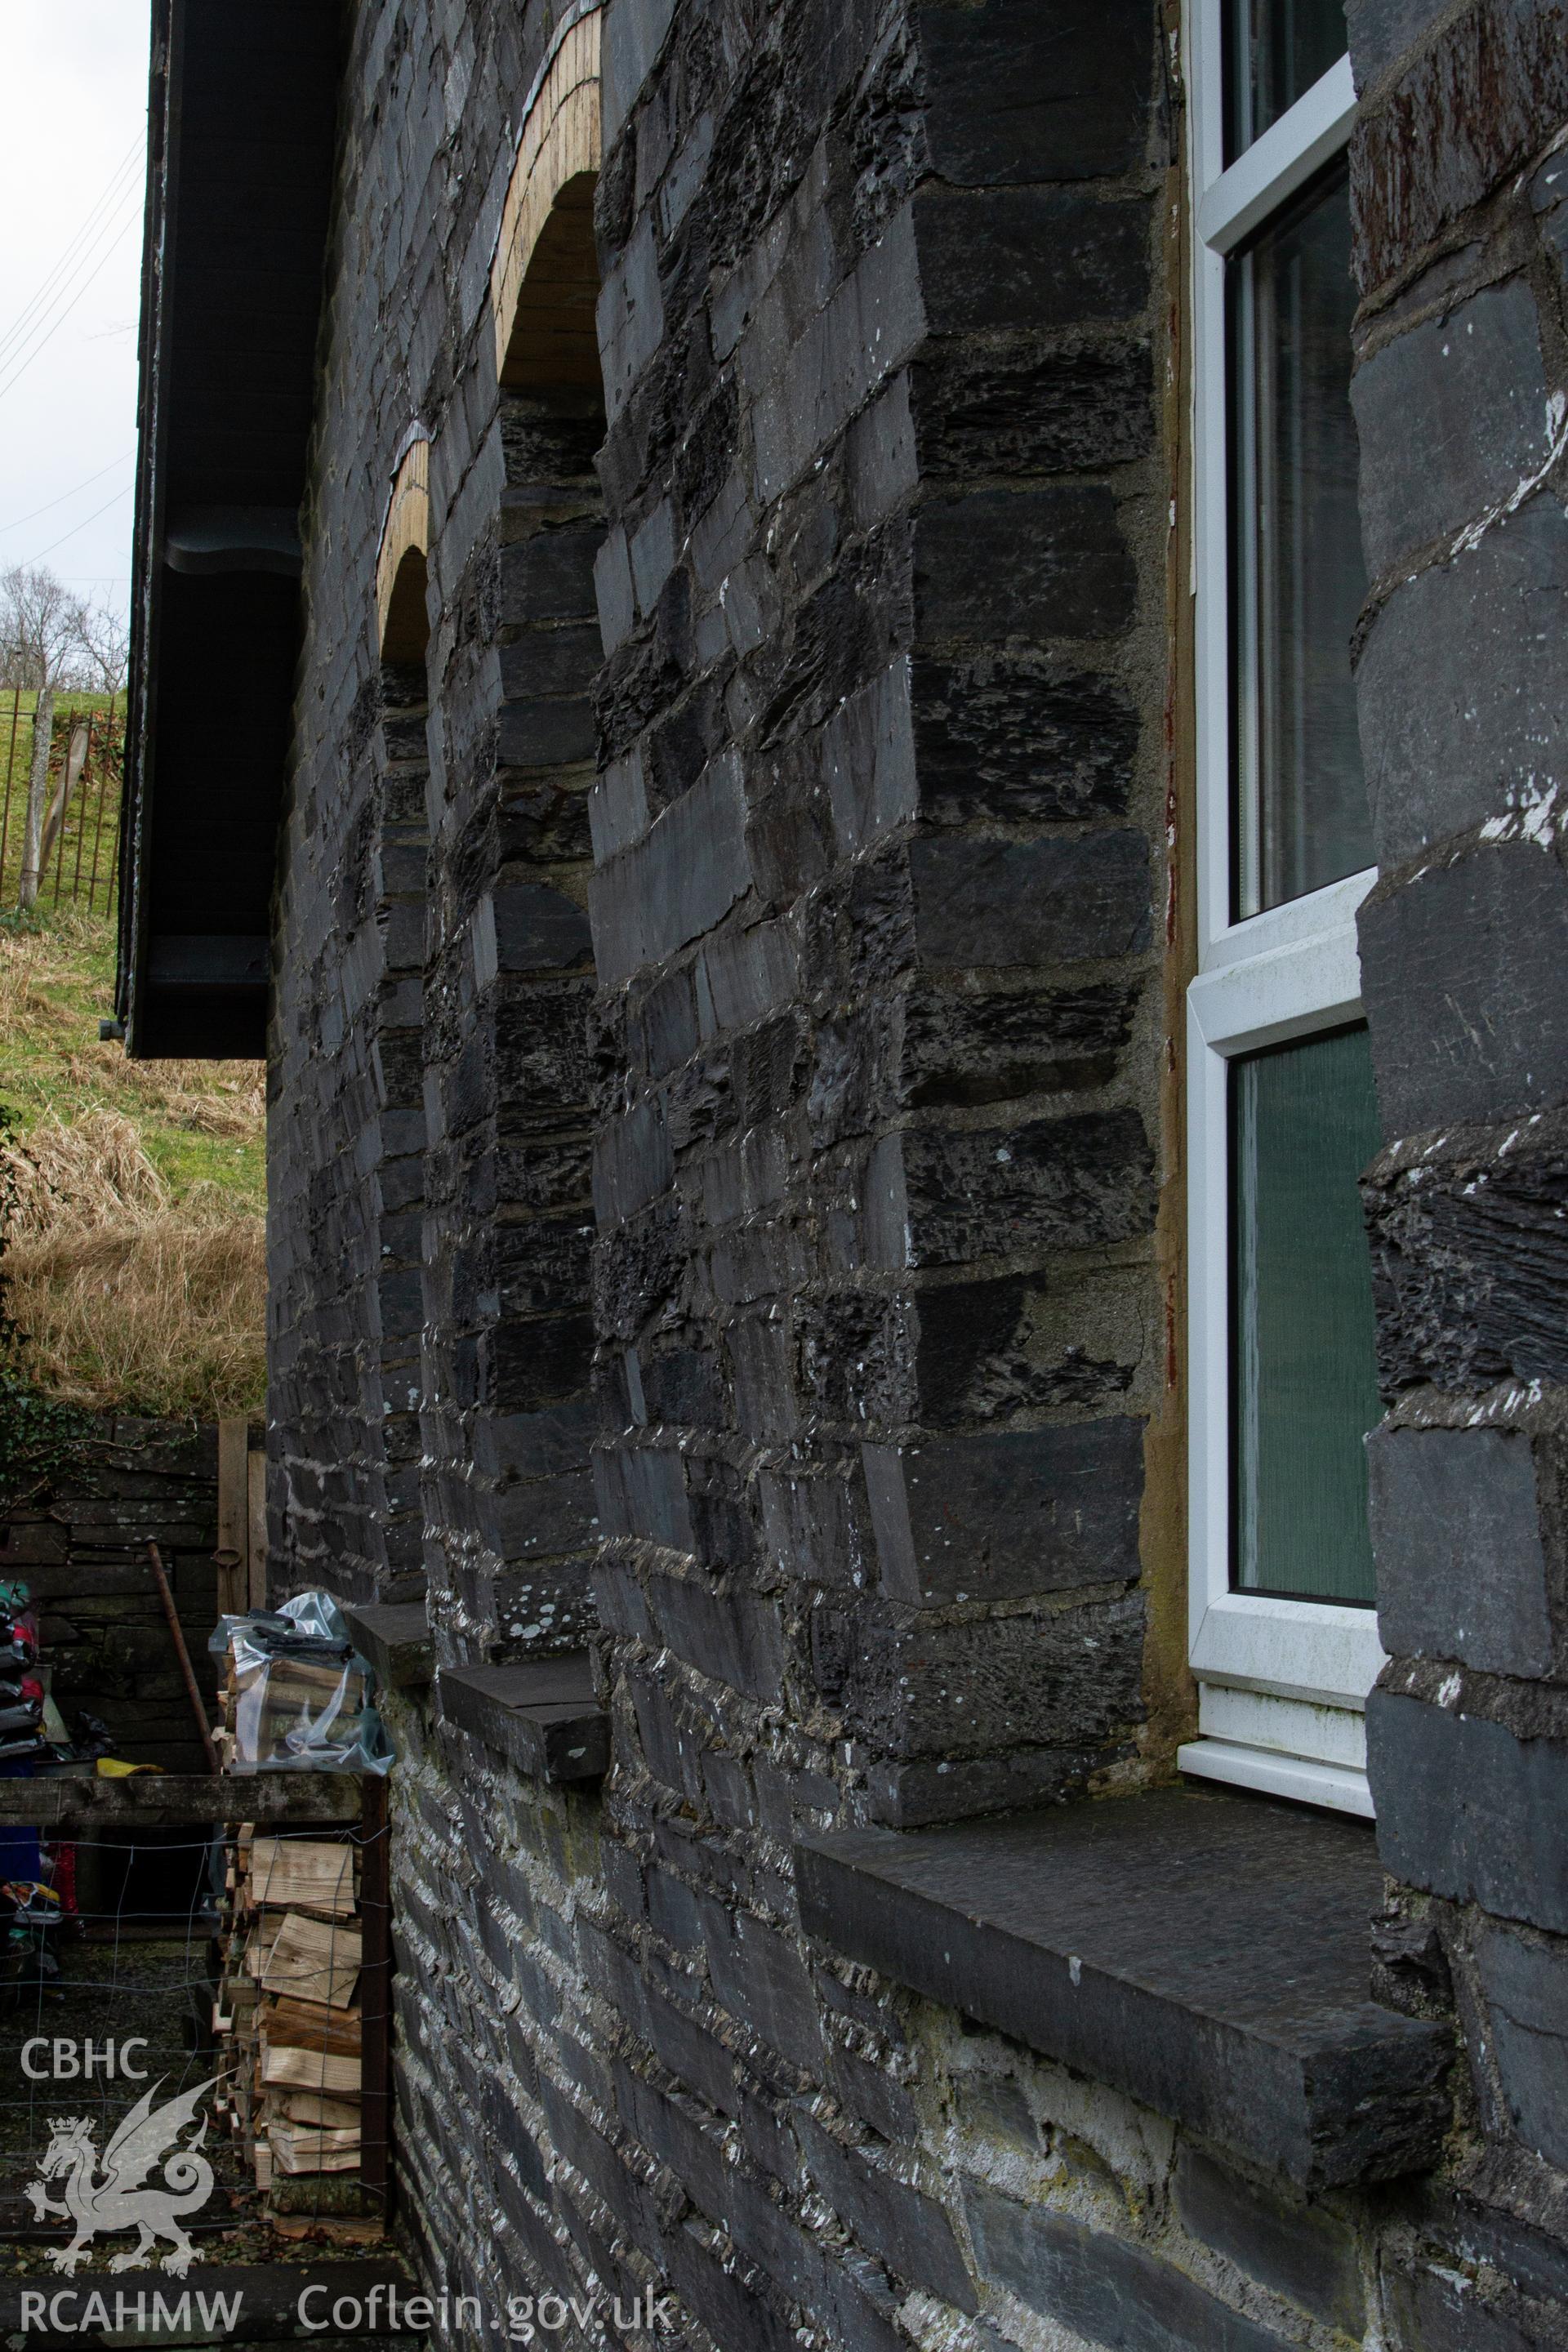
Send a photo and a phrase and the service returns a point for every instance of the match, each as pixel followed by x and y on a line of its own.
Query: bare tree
pixel 40 628
pixel 103 645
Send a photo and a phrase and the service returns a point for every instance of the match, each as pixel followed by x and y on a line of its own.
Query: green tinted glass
pixel 1303 1125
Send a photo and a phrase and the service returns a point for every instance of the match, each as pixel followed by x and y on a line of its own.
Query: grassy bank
pixel 80 867
pixel 134 1260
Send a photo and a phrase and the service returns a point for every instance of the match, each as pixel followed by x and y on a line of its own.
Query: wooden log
pixel 84 1802
pixel 232 1553
pixel 256 1491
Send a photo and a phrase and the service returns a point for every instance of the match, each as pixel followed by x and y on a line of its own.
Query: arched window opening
pixel 511 966
pixel 398 852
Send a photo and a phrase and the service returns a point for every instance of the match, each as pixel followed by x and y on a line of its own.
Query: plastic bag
pixel 299 1696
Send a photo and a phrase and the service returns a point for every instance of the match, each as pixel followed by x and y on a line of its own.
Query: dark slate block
pixel 1103 2288
pixel 1467 109
pixel 967 1044
pixel 928 1789
pixel 1015 409
pixel 1469 1241
pixel 1473 383
pixel 1435 2309
pixel 545 731
pixel 1471 2231
pixel 1381 30
pixel 397 1641
pixel 903 2228
pixel 543 1717
pixel 539 1517
pixel 1063 1679
pixel 1525 1984
pixel 1016 94
pixel 1019 1511
pixel 543 663
pixel 1205 1953
pixel 1019 735
pixel 1466 1807
pixel 538 928
pixel 1070 1182
pixel 1030 902
pixel 686 871
pixel 734 1635
pixel 548 576
pixel 1456 1526
pixel 1296 2250
pixel 1460 681
pixel 1462 982
pixel 1053 258
pixel 1037 562
pixel 763 1983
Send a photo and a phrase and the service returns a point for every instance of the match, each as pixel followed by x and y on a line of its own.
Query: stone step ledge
pixel 542 1716
pixel 1206 1952
pixel 394 1636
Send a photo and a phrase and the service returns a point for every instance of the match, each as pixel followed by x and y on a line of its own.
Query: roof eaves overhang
pixel 242 143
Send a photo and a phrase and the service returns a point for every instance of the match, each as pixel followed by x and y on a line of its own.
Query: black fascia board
pixel 243 127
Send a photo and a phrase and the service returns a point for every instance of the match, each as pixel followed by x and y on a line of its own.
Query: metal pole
pixel 80 827
pixel 10 771
pixel 193 1689
pixel 37 788
pixel 108 753
pixel 114 840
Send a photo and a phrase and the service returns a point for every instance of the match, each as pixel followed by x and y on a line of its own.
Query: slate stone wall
pixel 807 930
pixel 877 899
pixel 81 1546
pixel 1460 182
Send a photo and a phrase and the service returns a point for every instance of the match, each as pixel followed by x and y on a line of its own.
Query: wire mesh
pixel 143 1964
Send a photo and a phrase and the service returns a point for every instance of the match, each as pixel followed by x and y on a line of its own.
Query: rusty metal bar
pixel 177 1633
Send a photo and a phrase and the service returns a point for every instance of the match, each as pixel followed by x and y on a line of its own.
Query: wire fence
pixel 114 2005
pixel 80 804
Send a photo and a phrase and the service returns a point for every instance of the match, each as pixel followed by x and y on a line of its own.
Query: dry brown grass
pixel 163 1315
pixel 130 1302
pixel 134 1255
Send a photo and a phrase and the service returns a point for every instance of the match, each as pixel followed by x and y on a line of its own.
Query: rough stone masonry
pixel 726 1068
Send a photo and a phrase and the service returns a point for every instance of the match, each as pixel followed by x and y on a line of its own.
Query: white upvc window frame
pixel 1282 1683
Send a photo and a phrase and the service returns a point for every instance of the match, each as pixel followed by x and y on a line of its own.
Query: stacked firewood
pixel 287 2009
pixel 305 1703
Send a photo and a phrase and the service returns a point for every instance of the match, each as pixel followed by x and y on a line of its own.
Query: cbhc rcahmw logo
pixel 81 2061
pixel 100 2195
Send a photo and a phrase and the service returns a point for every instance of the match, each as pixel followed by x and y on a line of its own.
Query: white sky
pixel 74 73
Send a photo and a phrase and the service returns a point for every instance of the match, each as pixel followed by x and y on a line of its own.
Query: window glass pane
pixel 1275 51
pixel 1303 1125
pixel 1298 577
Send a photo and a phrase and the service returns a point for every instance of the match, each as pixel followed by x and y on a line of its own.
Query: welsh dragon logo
pixel 116 2200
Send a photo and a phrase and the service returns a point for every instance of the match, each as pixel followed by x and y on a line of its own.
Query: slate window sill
pixel 1205 1951
pixel 394 1636
pixel 543 1717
